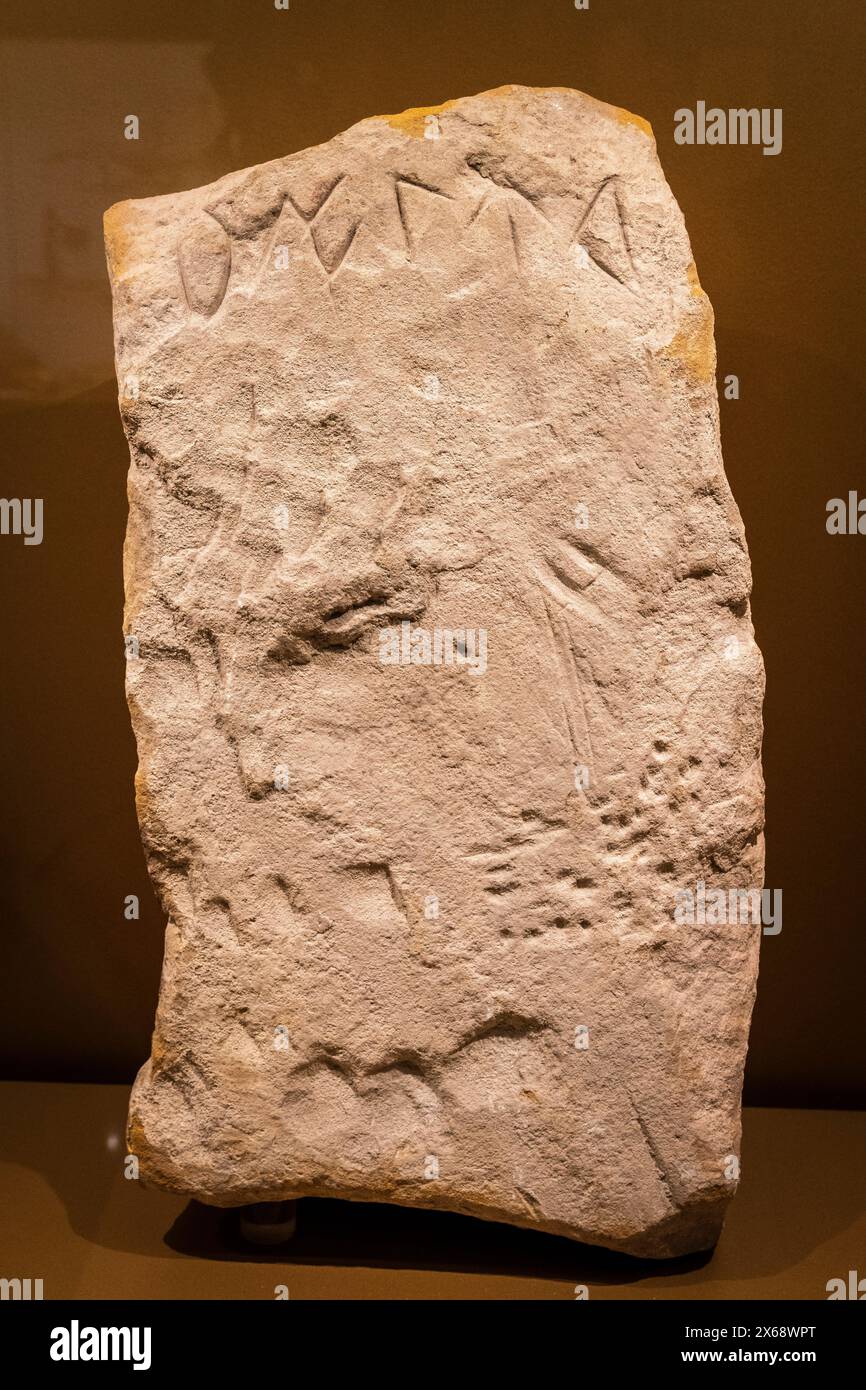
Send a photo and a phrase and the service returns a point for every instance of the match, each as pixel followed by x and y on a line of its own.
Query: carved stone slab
pixel 443 678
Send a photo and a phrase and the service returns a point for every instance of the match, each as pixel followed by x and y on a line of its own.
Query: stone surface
pixel 451 372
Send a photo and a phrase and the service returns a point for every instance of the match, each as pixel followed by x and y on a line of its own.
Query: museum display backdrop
pixel 443 678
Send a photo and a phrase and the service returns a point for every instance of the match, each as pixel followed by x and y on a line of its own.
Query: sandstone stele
pixel 451 373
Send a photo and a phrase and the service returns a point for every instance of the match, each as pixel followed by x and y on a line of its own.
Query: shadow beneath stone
pixel 355 1234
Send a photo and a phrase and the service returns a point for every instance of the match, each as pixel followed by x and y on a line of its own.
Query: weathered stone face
pixel 451 373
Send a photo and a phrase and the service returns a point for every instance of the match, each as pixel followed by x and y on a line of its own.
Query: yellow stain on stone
pixel 118 238
pixel 414 121
pixel 136 1139
pixel 693 346
pixel 158 1053
pixel 694 282
pixel 629 118
pixel 137 1143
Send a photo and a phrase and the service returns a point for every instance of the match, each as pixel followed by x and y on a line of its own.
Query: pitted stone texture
pixel 453 369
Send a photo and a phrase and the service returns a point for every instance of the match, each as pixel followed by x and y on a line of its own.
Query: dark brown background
pixel 221 85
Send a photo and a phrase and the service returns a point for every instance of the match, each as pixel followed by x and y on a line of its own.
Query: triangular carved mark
pixel 402 184
pixel 333 251
pixel 603 234
pixel 332 237
pixel 309 214
pixel 510 208
pixel 507 183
